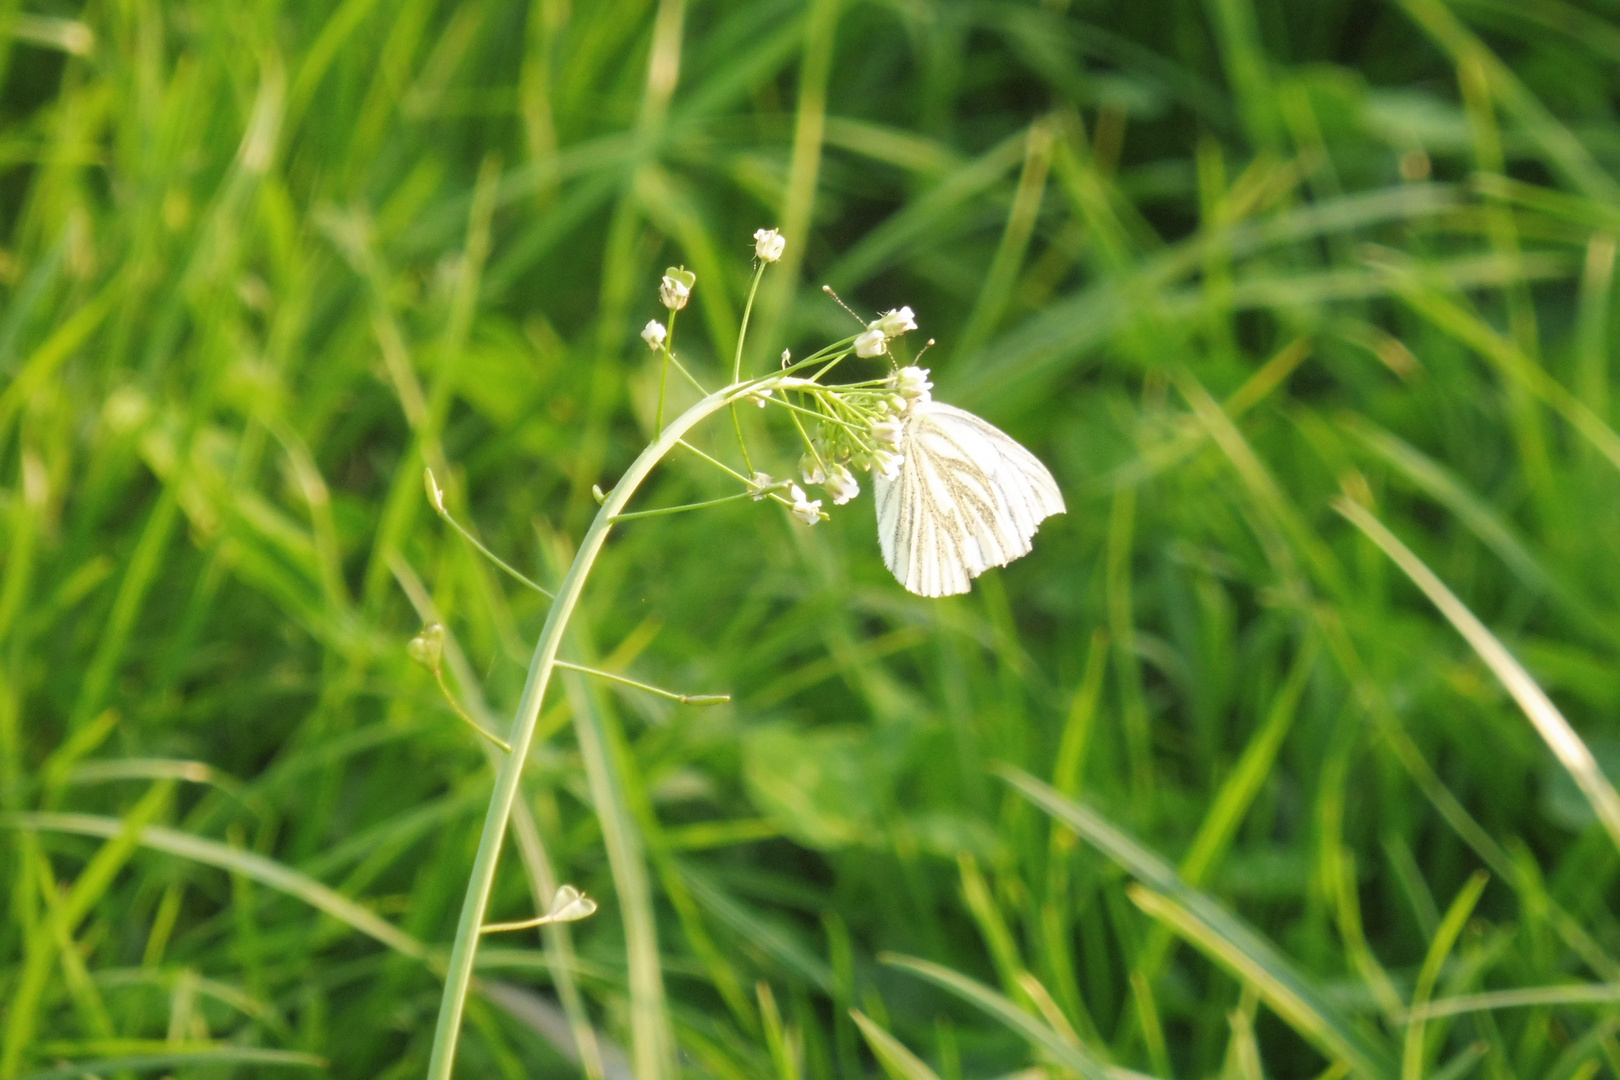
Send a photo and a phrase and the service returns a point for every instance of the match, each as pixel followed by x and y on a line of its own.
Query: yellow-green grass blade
pixel 897 1061
pixel 172 1060
pixel 1412 1060
pixel 1212 929
pixel 225 857
pixel 1033 1030
pixel 1567 746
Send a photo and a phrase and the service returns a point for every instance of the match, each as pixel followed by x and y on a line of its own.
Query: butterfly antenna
pixel 828 289
pixel 924 349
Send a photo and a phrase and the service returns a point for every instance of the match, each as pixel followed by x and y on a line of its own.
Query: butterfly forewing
pixel 968 497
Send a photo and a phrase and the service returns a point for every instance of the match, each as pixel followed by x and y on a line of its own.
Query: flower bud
pixel 810 469
pixel 435 494
pixel 911 384
pixel 768 245
pixel 886 463
pixel 570 905
pixel 676 287
pixel 806 510
pixel 427 648
pixel 871 343
pixel 891 324
pixel 886 432
pixel 654 334
pixel 841 485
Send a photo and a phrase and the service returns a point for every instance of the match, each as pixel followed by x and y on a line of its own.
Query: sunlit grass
pixel 1308 307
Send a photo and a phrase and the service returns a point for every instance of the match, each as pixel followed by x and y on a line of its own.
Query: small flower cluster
pixel 862 424
pixel 866 431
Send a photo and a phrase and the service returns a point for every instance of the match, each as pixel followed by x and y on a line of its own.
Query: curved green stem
pixel 458 979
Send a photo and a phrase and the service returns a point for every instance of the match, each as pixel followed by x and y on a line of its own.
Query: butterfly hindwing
pixel 968 497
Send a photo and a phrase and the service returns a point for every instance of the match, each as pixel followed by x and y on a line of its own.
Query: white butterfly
pixel 967 497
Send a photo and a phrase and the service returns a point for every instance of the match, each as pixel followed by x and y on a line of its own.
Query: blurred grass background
pixel 1202 787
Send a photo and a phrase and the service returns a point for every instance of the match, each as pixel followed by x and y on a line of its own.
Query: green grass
pixel 1309 307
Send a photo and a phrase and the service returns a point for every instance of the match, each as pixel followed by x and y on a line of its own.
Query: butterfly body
pixel 967 497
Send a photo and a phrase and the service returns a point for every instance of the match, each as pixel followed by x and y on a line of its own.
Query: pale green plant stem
pixel 819 416
pixel 664 511
pixel 736 360
pixel 663 371
pixel 809 443
pixel 458 978
pixel 438 676
pixel 443 512
pixel 748 310
pixel 680 367
pixel 722 466
pixel 685 699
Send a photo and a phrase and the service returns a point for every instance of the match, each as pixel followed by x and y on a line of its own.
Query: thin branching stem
pixel 684 699
pixel 438 676
pixel 663 511
pixel 438 505
pixel 680 367
pixel 722 466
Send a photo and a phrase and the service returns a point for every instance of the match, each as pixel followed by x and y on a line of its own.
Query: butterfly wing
pixel 968 497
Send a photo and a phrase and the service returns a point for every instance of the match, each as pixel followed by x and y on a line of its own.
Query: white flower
pixel 841 485
pixel 760 486
pixel 886 463
pixel 768 244
pixel 672 293
pixel 891 324
pixel 806 510
pixel 810 467
pixel 760 396
pixel 654 334
pixel 912 384
pixel 787 358
pixel 886 432
pixel 894 323
pixel 872 343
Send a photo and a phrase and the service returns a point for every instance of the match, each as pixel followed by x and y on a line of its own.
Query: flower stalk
pixel 855 422
pixel 463 951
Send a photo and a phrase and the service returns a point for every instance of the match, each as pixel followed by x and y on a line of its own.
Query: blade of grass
pixel 1282 989
pixel 1038 1034
pixel 123 836
pixel 996 292
pixel 1216 932
pixel 1566 745
pixel 804 168
pixel 898 1062
pixel 1440 948
pixel 181 1059
pixel 1528 997
pixel 234 860
pixel 1472 331
pixel 1236 794
pixel 1563 151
